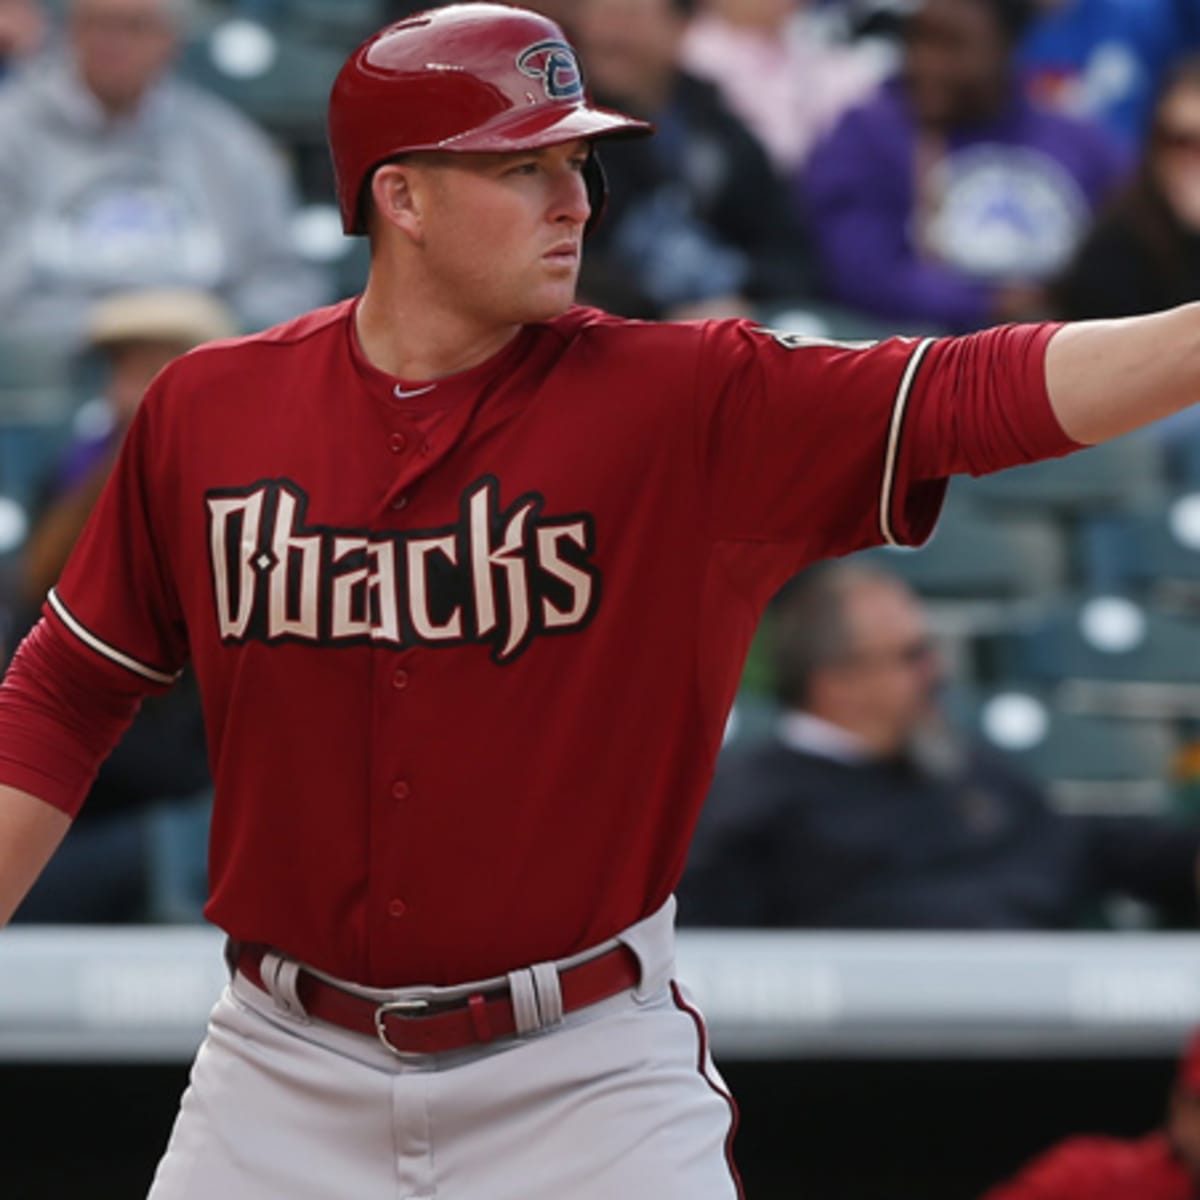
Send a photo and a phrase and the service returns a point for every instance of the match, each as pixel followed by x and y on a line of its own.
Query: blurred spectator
pixel 1143 254
pixel 562 12
pixel 156 781
pixel 1105 59
pixel 22 30
pixel 1164 1165
pixel 949 200
pixel 697 224
pixel 137 333
pixel 865 810
pixel 778 71
pixel 114 174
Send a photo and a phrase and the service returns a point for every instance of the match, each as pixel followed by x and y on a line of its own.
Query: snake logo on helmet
pixel 464 78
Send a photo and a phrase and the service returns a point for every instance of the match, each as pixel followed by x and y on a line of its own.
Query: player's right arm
pixel 62 709
pixel 30 831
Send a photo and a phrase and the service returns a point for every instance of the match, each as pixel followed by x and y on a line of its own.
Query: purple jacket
pixel 1010 201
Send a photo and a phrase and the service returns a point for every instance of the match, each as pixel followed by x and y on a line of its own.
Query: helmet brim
pixel 547 125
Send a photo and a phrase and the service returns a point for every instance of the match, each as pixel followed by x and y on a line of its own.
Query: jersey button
pixel 400 790
pixel 398 443
pixel 397 908
pixel 400 502
pixel 400 680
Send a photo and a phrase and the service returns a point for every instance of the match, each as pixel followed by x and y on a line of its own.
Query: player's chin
pixel 550 300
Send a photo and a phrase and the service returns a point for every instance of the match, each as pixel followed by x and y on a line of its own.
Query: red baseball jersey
pixel 467 649
pixel 1100 1168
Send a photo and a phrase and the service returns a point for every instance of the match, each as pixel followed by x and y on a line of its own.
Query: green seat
pixel 1087 762
pixel 1117 475
pixel 1107 654
pixel 975 555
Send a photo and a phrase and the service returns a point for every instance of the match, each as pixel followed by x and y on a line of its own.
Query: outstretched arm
pixel 30 831
pixel 1106 378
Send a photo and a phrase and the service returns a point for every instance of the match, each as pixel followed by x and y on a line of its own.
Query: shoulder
pixel 757 766
pixel 1067 131
pixel 585 329
pixel 290 348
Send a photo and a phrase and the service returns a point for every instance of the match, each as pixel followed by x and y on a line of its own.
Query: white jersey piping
pixel 103 648
pixel 893 446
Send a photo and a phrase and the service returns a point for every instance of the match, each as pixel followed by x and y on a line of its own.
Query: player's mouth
pixel 565 254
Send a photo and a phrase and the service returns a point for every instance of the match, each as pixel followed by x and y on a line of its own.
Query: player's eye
pixel 579 162
pixel 525 168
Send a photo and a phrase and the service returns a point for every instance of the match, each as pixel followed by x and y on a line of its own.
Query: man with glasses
pixel 867 810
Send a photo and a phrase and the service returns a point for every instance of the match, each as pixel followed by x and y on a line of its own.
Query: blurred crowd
pixel 998 733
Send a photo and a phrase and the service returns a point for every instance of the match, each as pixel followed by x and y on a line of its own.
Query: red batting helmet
pixel 467 77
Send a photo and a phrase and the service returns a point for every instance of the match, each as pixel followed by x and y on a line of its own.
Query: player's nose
pixel 571 204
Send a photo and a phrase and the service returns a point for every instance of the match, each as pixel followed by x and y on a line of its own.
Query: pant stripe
pixel 714 1084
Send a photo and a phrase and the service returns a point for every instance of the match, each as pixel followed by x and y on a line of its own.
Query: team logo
pixel 498 576
pixel 555 64
pixel 1004 212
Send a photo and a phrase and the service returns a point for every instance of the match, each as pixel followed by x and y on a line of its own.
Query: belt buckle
pixel 415 1007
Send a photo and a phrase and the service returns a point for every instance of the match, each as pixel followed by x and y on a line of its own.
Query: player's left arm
pixel 1106 378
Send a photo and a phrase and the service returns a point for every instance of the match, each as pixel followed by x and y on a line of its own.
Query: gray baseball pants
pixel 617 1101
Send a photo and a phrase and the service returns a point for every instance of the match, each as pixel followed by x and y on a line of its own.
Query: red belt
pixel 419 1026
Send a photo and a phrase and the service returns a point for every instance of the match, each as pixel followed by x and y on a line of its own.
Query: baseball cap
pixel 181 316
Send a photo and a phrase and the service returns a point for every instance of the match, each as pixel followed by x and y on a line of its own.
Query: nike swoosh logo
pixel 401 394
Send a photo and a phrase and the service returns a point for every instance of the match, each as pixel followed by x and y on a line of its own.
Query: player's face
pixel 121 47
pixel 957 62
pixel 501 234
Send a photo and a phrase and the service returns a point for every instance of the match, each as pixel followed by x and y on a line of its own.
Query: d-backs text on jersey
pixel 496 577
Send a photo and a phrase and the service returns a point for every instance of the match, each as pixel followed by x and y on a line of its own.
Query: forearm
pixel 30 831
pixel 1106 378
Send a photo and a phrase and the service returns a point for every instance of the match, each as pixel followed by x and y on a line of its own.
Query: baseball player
pixel 467 575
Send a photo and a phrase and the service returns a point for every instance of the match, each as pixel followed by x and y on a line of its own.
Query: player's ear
pixel 397 198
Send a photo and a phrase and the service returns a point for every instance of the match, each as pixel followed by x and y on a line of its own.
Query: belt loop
pixel 549 993
pixel 524 1001
pixel 652 941
pixel 280 976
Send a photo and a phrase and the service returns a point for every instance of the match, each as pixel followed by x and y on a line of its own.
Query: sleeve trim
pixel 893 447
pixel 102 648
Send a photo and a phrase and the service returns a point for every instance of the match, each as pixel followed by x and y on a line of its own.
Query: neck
pixel 875 738
pixel 416 342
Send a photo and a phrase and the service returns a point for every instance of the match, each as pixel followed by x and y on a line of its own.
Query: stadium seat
pixel 1088 763
pixel 973 555
pixel 36 383
pixel 276 77
pixel 1116 475
pixel 1107 654
pixel 1155 550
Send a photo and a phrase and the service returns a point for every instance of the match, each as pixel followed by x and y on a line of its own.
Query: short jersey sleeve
pixel 802 440
pixel 116 595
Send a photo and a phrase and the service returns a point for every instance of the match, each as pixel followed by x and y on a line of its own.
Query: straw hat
pixel 181 316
